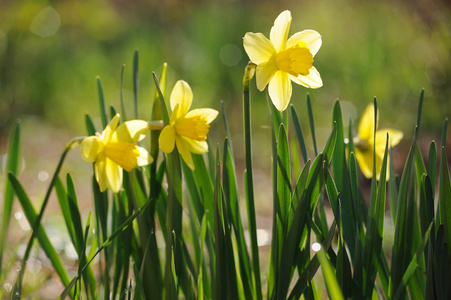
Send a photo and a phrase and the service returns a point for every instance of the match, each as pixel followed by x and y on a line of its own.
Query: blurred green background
pixel 52 51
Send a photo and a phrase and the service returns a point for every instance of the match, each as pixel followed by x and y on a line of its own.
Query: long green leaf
pixel 232 199
pixel 312 123
pixel 375 226
pixel 102 104
pixel 333 288
pixel 111 238
pixel 300 135
pixel 413 265
pixel 136 81
pixel 400 256
pixel 39 232
pixel 12 166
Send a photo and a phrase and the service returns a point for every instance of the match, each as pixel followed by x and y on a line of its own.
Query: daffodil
pixel 280 61
pixel 186 129
pixel 116 149
pixel 365 143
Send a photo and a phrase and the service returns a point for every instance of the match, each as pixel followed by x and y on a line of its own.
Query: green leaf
pixel 102 104
pixel 123 109
pixel 413 265
pixel 231 197
pixel 432 163
pixel 300 135
pixel 401 247
pixel 444 193
pixel 111 238
pixel 289 246
pixel 136 80
pixel 333 289
pixel 375 227
pixel 12 166
pixel 312 123
pixel 39 231
pixel 309 272
pixel 283 178
pixel 90 128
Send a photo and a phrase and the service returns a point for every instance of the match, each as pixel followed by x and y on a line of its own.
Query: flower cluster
pixel 116 149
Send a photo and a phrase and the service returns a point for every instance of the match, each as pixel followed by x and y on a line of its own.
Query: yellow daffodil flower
pixel 116 149
pixel 280 61
pixel 364 143
pixel 187 129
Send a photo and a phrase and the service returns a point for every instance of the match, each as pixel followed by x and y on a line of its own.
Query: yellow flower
pixel 365 142
pixel 280 61
pixel 116 149
pixel 187 130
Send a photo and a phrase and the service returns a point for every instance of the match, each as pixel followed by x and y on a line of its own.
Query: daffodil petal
pixel 90 147
pixel 381 136
pixel 265 72
pixel 183 96
pixel 312 80
pixel 198 147
pixel 107 134
pixel 310 38
pixel 366 124
pixel 258 47
pixel 114 175
pixel 184 149
pixel 365 160
pixel 167 139
pixel 144 157
pixel 207 113
pixel 100 174
pixel 280 90
pixel 279 32
pixel 132 131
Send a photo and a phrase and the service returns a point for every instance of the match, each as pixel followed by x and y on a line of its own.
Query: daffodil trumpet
pixel 280 60
pixel 187 130
pixel 116 149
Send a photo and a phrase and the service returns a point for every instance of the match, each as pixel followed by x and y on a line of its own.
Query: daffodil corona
pixel 365 143
pixel 280 61
pixel 116 149
pixel 186 129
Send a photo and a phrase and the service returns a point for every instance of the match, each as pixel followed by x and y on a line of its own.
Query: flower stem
pixel 248 74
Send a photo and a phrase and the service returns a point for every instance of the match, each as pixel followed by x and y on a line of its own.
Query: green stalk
pixel 248 74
